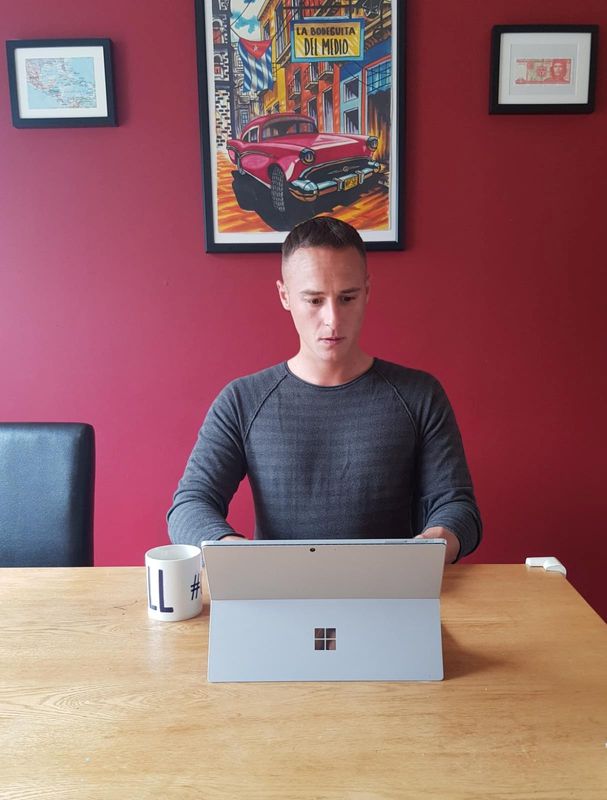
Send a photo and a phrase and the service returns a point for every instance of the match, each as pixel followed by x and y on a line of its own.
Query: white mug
pixel 173 579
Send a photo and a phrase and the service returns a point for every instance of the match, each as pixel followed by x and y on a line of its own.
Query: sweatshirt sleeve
pixel 213 472
pixel 444 492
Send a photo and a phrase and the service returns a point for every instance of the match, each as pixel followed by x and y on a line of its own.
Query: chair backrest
pixel 47 480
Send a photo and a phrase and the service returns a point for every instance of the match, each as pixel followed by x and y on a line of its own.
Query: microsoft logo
pixel 325 638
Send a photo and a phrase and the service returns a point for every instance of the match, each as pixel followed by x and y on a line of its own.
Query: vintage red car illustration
pixel 288 155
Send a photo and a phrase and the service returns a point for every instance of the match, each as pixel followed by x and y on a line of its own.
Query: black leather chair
pixel 47 480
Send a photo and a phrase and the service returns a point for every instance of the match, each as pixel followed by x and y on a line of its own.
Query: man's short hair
pixel 323 232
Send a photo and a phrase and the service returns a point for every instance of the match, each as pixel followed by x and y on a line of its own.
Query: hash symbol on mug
pixel 163 608
pixel 195 587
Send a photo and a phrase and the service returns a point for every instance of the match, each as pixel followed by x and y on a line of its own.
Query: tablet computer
pixel 325 610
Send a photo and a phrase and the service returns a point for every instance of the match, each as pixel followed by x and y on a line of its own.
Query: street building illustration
pixel 301 114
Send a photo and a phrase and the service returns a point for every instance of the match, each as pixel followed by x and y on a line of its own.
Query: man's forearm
pixel 192 521
pixel 453 542
pixel 454 510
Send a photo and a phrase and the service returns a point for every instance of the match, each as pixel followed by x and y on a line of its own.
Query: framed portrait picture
pixel 61 83
pixel 301 114
pixel 543 69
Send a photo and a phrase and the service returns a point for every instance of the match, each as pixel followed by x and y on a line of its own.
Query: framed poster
pixel 543 69
pixel 61 83
pixel 301 114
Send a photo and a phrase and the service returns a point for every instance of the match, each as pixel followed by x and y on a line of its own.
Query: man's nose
pixel 331 314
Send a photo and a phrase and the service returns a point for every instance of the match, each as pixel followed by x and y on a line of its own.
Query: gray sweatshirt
pixel 379 457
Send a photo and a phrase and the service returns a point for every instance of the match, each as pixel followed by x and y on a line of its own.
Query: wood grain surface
pixel 99 702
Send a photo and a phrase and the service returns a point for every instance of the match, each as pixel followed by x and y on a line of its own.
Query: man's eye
pixel 348 298
pixel 315 301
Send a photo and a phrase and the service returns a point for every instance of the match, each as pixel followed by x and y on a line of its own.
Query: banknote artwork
pixel 301 103
pixel 542 69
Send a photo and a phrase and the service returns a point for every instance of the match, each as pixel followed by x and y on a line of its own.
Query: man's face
pixel 326 291
pixel 558 69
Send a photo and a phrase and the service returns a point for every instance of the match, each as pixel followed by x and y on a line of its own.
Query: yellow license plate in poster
pixel 350 182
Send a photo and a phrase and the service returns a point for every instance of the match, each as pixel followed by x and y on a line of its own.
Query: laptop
pixel 325 610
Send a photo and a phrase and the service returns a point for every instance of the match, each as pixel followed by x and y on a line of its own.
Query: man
pixel 335 443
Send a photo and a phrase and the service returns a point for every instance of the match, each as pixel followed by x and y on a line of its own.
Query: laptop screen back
pixel 298 569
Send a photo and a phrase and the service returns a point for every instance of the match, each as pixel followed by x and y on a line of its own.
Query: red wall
pixel 111 312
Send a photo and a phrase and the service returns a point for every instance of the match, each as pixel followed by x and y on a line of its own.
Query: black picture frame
pixel 250 203
pixel 523 66
pixel 51 86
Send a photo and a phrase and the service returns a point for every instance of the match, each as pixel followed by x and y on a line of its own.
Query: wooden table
pixel 97 701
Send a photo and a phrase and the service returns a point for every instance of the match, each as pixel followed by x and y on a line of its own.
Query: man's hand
pixel 453 543
pixel 232 539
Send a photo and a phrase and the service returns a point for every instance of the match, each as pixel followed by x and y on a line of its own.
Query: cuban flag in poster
pixel 257 62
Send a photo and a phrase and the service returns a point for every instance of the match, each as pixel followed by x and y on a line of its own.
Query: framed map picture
pixel 60 83
pixel 301 114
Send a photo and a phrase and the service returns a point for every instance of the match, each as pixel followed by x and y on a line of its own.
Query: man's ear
pixel 283 294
